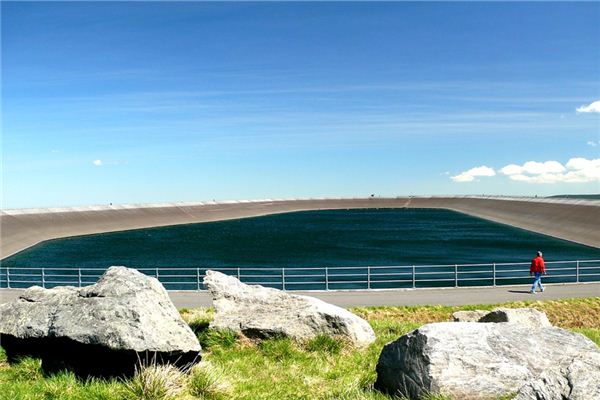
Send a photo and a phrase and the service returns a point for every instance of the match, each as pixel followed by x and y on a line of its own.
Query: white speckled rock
pixel 470 360
pixel 468 316
pixel 126 314
pixel 523 316
pixel 257 311
pixel 579 380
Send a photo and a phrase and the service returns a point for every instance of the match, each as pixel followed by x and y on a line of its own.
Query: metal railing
pixel 322 278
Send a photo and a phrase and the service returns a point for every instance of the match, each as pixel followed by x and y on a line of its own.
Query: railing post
pixel 8 277
pixel 156 270
pixel 577 271
pixel 79 276
pixel 198 279
pixel 368 277
pixel 414 276
pixel 43 277
pixel 455 275
pixel 494 271
pixel 283 278
pixel 239 275
pixel 326 278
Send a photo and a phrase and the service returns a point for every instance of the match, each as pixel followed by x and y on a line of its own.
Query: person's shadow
pixel 518 291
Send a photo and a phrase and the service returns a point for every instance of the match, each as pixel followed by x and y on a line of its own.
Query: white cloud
pixel 512 169
pixel 534 168
pixel 592 143
pixel 97 163
pixel 577 170
pixel 583 168
pixel 520 177
pixel 469 176
pixel 590 108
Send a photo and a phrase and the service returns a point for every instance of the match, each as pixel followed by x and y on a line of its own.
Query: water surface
pixel 349 238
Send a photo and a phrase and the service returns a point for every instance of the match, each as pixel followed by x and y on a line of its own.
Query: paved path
pixel 446 296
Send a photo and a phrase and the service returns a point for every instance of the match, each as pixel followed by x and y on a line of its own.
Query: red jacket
pixel 537 265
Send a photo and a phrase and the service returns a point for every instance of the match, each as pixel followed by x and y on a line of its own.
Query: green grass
pixel 207 381
pixel 325 344
pixel 234 367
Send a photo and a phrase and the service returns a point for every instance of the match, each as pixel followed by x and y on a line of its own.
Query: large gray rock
pixel 469 360
pixel 523 316
pixel 102 329
pixel 262 312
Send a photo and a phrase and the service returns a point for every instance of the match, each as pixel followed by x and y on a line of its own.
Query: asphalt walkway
pixel 445 296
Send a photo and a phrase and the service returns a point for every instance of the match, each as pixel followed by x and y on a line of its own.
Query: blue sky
pixel 147 102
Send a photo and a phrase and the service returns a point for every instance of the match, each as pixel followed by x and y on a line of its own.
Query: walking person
pixel 537 269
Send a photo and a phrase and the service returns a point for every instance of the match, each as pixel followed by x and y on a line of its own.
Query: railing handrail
pixel 327 276
pixel 166 267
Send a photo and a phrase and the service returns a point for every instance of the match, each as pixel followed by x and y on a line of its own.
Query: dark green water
pixel 348 238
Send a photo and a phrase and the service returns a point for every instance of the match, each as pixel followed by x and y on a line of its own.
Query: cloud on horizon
pixel 470 175
pixel 593 107
pixel 97 163
pixel 533 168
pixel 576 170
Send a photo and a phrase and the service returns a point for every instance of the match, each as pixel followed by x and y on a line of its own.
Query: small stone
pixel 523 316
pixel 468 316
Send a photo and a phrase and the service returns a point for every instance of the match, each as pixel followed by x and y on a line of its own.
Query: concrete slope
pixel 574 220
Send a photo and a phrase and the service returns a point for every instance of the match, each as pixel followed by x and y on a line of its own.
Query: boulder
pixel 468 316
pixel 523 316
pixel 104 329
pixel 260 312
pixel 468 360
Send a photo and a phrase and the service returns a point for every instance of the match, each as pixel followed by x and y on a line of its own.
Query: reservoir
pixel 314 240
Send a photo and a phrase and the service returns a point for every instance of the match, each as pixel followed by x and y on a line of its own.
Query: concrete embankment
pixel 574 220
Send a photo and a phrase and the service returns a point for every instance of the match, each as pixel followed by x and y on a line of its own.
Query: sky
pixel 140 102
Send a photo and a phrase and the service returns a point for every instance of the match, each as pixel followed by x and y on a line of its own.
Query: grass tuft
pixel 208 382
pixel 60 386
pixel 26 369
pixel 155 382
pixel 3 360
pixel 224 338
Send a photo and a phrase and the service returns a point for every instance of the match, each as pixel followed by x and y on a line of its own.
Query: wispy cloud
pixel 470 175
pixel 592 143
pixel 97 163
pixel 590 108
pixel 576 170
